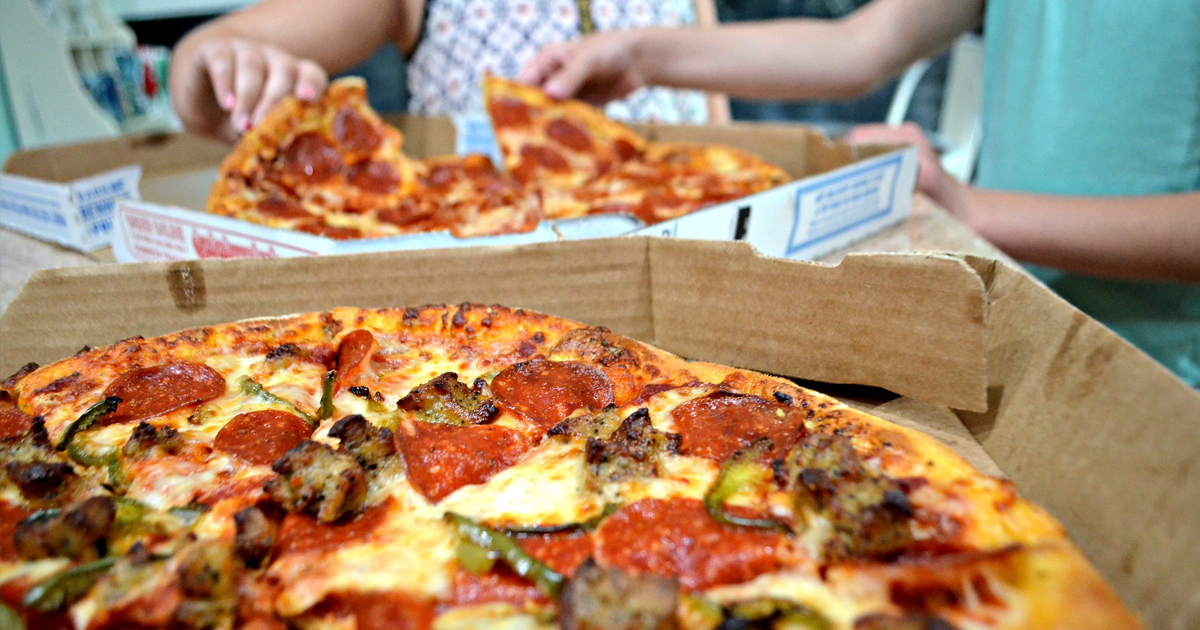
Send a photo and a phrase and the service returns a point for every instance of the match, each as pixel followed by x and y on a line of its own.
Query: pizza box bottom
pixel 971 350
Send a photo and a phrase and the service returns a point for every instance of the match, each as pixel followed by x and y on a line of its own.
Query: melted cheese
pixel 545 488
pixel 408 552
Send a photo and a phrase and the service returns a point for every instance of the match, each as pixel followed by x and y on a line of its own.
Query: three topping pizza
pixel 482 467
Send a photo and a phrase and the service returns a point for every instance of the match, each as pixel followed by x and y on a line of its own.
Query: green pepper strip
pixel 740 471
pixel 585 526
pixel 65 587
pixel 510 552
pixel 251 387
pixel 89 417
pixel 327 395
pixel 9 619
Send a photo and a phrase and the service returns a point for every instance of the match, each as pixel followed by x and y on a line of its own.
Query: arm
pixel 784 59
pixel 1137 238
pixel 226 74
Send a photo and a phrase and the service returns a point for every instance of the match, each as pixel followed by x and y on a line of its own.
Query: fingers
pixel 878 133
pixel 249 77
pixel 311 80
pixel 281 81
pixel 217 58
pixel 569 77
pixel 548 61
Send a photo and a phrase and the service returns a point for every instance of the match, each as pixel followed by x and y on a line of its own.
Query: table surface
pixel 928 229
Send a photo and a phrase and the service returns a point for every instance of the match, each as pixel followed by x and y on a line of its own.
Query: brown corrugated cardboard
pixel 1081 421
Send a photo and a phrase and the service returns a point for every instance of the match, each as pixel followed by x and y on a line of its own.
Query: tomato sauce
pixel 547 391
pixel 152 391
pixel 677 537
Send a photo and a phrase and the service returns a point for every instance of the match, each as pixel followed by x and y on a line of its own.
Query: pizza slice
pixel 559 144
pixel 671 180
pixel 316 167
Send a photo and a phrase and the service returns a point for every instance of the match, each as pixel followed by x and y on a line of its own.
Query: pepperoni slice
pixel 373 176
pixel 355 133
pixel 442 458
pixel 310 158
pixel 261 437
pixel 283 208
pixel 625 150
pixel 353 351
pixel 509 112
pixel 569 135
pixel 373 610
pixel 716 425
pixel 468 589
pixel 152 391
pixel 300 532
pixel 677 537
pixel 13 421
pixel 561 551
pixel 547 391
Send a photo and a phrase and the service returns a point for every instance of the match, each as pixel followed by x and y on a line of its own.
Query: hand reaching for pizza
pixel 224 86
pixel 597 69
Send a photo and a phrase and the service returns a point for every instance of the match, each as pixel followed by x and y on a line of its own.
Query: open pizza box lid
pixel 144 196
pixel 970 350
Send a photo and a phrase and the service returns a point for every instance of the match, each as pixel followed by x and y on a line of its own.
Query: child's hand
pixel 597 69
pixel 235 82
pixel 932 179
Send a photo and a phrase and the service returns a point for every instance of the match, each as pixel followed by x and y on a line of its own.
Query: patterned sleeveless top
pixel 462 39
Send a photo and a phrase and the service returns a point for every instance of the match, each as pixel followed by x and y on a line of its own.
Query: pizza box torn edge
pixel 972 350
pixel 147 208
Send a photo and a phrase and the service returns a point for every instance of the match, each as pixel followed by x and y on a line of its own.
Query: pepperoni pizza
pixel 334 168
pixel 482 467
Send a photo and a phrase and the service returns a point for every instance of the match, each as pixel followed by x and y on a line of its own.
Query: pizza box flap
pixel 158 155
pixel 866 321
pixel 1102 436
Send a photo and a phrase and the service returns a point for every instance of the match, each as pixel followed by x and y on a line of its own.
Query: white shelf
pixel 135 10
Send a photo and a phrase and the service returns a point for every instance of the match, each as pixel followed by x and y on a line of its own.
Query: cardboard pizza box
pixel 840 195
pixel 971 350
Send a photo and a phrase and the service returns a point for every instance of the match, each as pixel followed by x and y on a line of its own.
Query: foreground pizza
pixel 479 467
pixel 334 168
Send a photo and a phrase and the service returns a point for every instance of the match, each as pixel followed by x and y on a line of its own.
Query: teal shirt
pixel 1100 97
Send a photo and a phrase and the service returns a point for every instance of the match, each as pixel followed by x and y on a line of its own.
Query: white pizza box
pixel 840 195
pixel 76 214
pixel 970 350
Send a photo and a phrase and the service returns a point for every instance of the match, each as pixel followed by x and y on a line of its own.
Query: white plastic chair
pixel 959 131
